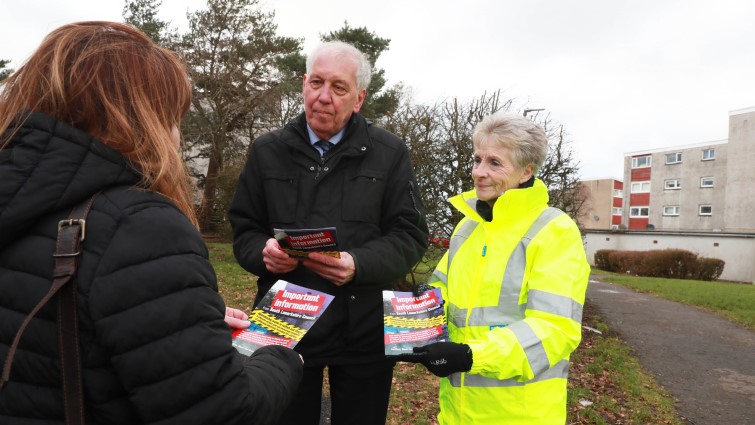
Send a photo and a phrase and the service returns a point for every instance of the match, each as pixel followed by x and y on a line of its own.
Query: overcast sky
pixel 621 76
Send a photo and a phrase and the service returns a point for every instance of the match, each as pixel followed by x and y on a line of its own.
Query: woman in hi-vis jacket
pixel 514 281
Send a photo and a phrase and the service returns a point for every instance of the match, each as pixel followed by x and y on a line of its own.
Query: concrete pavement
pixel 705 362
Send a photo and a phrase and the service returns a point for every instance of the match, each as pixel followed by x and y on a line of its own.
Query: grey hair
pixel 341 49
pixel 525 139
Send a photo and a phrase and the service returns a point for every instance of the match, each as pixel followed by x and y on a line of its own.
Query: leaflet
pixel 412 321
pixel 300 242
pixel 283 317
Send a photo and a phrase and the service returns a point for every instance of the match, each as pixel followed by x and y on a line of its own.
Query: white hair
pixel 342 49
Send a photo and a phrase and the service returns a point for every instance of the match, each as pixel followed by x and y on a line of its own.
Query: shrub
pixel 625 261
pixel 709 268
pixel 601 259
pixel 666 263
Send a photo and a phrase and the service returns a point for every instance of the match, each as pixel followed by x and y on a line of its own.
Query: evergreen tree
pixel 238 66
pixel 143 15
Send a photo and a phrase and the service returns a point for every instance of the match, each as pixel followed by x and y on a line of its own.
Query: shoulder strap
pixel 71 233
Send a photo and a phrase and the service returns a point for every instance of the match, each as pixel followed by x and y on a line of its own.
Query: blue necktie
pixel 324 146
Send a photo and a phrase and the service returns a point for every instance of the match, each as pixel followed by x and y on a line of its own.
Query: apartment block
pixel 603 207
pixel 700 187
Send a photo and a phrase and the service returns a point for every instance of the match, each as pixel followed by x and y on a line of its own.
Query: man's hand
pixel 275 259
pixel 236 319
pixel 340 271
pixel 441 358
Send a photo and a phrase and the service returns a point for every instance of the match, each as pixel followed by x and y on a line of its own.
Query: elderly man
pixel 331 167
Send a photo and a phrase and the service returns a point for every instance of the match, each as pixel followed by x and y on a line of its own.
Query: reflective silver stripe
pixel 438 276
pixel 457 315
pixel 459 238
pixel 472 203
pixel 508 309
pixel 532 345
pixel 559 370
pixel 554 304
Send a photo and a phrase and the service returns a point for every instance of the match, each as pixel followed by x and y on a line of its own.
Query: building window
pixel 639 212
pixel 641 161
pixel 671 210
pixel 706 210
pixel 706 182
pixel 616 211
pixel 640 187
pixel 672 184
pixel 673 158
pixel 618 193
pixel 709 154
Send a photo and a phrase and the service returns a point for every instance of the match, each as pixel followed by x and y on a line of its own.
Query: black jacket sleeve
pixel 247 210
pixel 156 311
pixel 274 373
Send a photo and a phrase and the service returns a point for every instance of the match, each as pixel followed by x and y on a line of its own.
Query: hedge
pixel 667 263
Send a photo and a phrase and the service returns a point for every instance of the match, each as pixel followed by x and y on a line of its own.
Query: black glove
pixel 420 288
pixel 441 358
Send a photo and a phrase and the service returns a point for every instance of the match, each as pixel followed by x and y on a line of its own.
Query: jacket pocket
pixel 363 196
pixel 280 193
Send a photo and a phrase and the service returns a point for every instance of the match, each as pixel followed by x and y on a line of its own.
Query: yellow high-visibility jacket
pixel 514 289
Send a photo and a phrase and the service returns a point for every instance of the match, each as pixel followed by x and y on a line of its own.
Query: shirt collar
pixel 313 138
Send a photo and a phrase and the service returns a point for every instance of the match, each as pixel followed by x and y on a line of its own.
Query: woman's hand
pixel 236 319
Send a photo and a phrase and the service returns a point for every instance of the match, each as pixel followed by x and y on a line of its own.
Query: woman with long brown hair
pixel 96 109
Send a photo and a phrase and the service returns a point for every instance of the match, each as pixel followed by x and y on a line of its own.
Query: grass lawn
pixel 733 301
pixel 606 384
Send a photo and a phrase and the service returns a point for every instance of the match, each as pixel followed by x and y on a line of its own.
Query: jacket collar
pixel 510 205
pixel 356 139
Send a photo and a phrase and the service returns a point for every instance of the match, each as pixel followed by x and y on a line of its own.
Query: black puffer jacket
pixel 154 345
pixel 366 188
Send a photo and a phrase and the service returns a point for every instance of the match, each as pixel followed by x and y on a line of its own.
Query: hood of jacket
pixel 49 165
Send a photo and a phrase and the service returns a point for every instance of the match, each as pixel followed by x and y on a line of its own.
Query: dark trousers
pixel 359 394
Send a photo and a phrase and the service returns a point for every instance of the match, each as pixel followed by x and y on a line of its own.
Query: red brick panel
pixel 639 199
pixel 639 223
pixel 640 174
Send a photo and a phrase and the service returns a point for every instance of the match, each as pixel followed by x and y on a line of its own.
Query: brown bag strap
pixel 71 233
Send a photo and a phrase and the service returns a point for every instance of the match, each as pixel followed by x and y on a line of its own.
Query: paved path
pixel 707 363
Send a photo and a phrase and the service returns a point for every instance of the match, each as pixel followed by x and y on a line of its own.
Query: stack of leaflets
pixel 412 321
pixel 282 317
pixel 299 243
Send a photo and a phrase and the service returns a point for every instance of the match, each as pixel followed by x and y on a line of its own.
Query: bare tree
pixel 439 138
pixel 560 172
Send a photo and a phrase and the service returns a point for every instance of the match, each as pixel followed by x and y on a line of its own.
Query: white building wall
pixel 737 250
pixel 740 183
